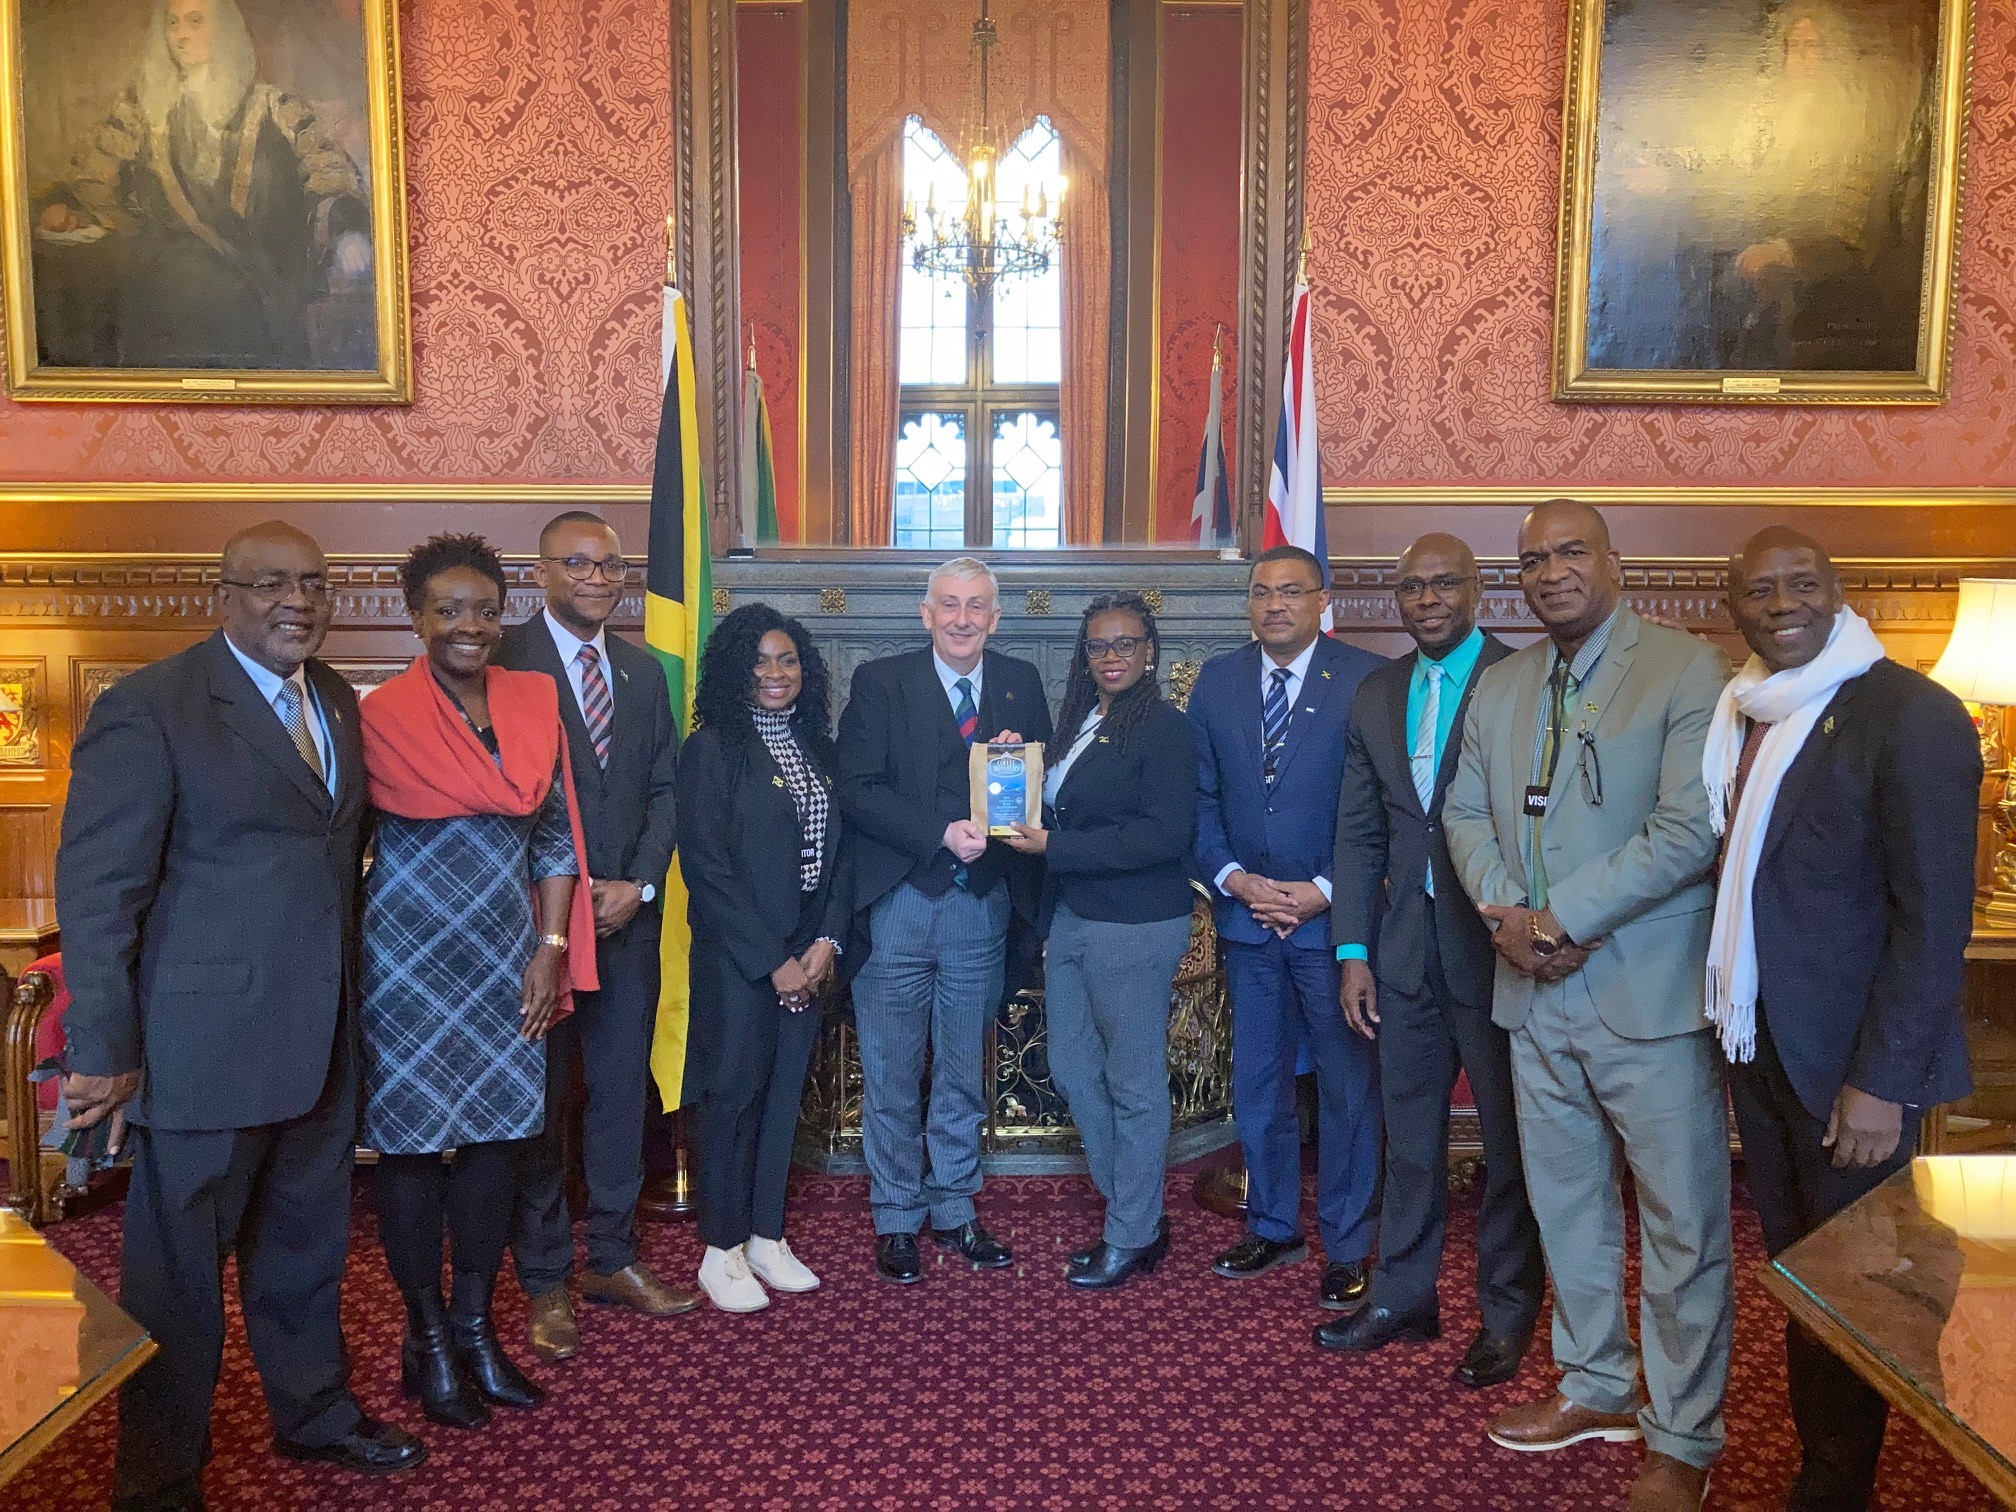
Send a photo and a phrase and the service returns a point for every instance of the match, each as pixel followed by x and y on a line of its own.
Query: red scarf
pixel 422 761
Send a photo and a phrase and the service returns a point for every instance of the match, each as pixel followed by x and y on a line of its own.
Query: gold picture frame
pixel 265 264
pixel 1767 193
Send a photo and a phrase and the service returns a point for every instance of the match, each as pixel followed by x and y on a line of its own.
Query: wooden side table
pixel 1985 1122
pixel 28 932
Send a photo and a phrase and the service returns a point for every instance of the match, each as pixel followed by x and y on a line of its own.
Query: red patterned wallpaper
pixel 1200 248
pixel 769 143
pixel 1434 163
pixel 538 151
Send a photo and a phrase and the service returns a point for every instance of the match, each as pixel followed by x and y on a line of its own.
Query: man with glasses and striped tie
pixel 1270 721
pixel 623 746
pixel 939 897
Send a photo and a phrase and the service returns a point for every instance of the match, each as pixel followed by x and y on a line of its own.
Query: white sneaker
pixel 779 1269
pixel 724 1276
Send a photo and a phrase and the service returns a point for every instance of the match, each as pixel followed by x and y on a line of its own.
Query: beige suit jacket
pixel 1634 871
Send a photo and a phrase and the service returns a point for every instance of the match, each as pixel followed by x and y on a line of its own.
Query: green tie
pixel 1559 690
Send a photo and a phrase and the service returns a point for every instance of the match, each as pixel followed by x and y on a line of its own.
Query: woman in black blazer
pixel 1121 804
pixel 769 900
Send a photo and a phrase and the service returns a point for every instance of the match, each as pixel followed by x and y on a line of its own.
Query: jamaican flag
pixel 678 613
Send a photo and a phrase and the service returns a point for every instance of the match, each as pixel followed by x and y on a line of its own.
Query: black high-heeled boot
pixel 476 1346
pixel 429 1369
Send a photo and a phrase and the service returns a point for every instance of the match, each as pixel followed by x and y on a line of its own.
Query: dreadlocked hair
pixel 1081 696
pixel 728 669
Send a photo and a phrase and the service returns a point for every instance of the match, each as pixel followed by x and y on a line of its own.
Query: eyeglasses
pixel 1589 769
pixel 1290 594
pixel 1122 646
pixel 1444 584
pixel 278 587
pixel 581 568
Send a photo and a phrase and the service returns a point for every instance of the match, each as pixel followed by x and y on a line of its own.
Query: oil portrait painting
pixel 203 201
pixel 1759 199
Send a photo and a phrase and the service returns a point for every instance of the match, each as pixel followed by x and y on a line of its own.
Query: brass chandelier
pixel 983 237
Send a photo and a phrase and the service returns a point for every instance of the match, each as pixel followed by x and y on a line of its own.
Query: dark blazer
pixel 1123 825
pixel 1288 832
pixel 1864 895
pixel 207 885
pixel 1386 844
pixel 897 740
pixel 739 857
pixel 629 810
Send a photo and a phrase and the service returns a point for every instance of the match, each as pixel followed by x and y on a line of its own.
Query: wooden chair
pixel 35 1176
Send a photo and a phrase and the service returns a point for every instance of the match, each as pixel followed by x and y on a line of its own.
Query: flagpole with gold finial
pixel 1302 257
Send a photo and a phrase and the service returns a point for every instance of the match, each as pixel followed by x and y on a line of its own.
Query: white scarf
pixel 1790 702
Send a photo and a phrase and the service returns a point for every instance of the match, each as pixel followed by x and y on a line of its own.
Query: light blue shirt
pixel 269 683
pixel 1457 667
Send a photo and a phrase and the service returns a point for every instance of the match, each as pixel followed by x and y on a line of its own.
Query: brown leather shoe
pixel 550 1327
pixel 1668 1485
pixel 635 1287
pixel 1554 1422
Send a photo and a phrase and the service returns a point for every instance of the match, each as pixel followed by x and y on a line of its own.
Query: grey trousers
pixel 1591 1105
pixel 932 980
pixel 1106 1000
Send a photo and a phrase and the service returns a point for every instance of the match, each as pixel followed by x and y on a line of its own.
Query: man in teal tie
pixel 1417 968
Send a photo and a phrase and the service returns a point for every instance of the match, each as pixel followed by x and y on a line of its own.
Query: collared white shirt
pixel 1298 670
pixel 569 645
pixel 949 679
pixel 1059 772
pixel 269 683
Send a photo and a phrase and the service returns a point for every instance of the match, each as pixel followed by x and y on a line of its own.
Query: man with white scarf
pixel 1843 785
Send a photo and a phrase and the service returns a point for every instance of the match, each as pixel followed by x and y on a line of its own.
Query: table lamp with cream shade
pixel 1979 665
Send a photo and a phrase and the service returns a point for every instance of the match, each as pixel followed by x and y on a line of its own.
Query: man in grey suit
pixel 1578 823
pixel 1417 968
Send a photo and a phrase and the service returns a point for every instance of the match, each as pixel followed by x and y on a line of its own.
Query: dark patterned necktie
pixel 295 717
pixel 1753 742
pixel 598 710
pixel 967 714
pixel 1274 721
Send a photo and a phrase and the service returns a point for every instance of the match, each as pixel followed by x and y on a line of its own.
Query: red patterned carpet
pixel 972 1391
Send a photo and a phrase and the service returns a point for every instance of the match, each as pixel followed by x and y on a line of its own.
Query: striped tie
pixel 967 714
pixel 1274 722
pixel 597 709
pixel 295 718
pixel 1422 757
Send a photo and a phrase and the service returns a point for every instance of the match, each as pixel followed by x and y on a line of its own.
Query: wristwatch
pixel 557 941
pixel 645 891
pixel 1545 944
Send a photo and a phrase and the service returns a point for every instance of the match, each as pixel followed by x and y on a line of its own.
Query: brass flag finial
pixel 752 346
pixel 1302 257
pixel 671 250
pixel 1218 348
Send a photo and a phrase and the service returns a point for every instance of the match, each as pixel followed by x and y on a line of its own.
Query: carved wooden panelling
pixel 22 742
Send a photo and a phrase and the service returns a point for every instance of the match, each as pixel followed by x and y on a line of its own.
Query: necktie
pixel 1274 721
pixel 967 713
pixel 295 718
pixel 1753 742
pixel 598 710
pixel 1558 687
pixel 1422 758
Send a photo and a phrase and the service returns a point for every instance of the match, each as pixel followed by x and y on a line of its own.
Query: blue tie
pixel 967 716
pixel 1422 757
pixel 1274 722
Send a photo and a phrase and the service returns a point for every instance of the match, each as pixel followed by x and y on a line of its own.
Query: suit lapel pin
pixel 1007 696
pixel 1326 677
pixel 776 782
pixel 1828 727
pixel 1103 740
pixel 1590 707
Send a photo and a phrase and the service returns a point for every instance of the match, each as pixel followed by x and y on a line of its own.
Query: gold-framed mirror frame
pixel 390 382
pixel 1576 380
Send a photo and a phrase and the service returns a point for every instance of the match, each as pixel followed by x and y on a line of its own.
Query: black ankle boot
pixel 428 1368
pixel 476 1346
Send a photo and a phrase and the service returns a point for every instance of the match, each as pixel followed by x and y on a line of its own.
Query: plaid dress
pixel 448 930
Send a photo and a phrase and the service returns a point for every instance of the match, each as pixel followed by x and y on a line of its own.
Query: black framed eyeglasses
pixel 1589 769
pixel 277 587
pixel 1290 594
pixel 1121 646
pixel 1444 584
pixel 581 569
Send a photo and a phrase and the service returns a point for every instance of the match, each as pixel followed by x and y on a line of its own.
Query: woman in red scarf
pixel 475 936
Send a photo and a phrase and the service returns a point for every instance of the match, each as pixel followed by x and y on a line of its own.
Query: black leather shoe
pixel 1080 1258
pixel 1492 1359
pixel 430 1369
pixel 1374 1328
pixel 1254 1256
pixel 371 1448
pixel 978 1246
pixel 1346 1285
pixel 896 1258
pixel 1112 1264
pixel 474 1335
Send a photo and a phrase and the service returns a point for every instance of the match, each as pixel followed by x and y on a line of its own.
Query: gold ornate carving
pixel 1036 601
pixel 88 680
pixel 1182 679
pixel 1152 597
pixel 723 601
pixel 832 600
pixel 21 743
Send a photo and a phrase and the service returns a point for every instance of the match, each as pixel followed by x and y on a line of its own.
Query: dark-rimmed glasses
pixel 1122 646
pixel 581 568
pixel 1589 769
pixel 277 587
pixel 1411 588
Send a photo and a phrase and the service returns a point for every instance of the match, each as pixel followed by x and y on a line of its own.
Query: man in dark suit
pixel 623 749
pixel 1270 722
pixel 207 882
pixel 1395 891
pixel 939 897
pixel 1841 919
